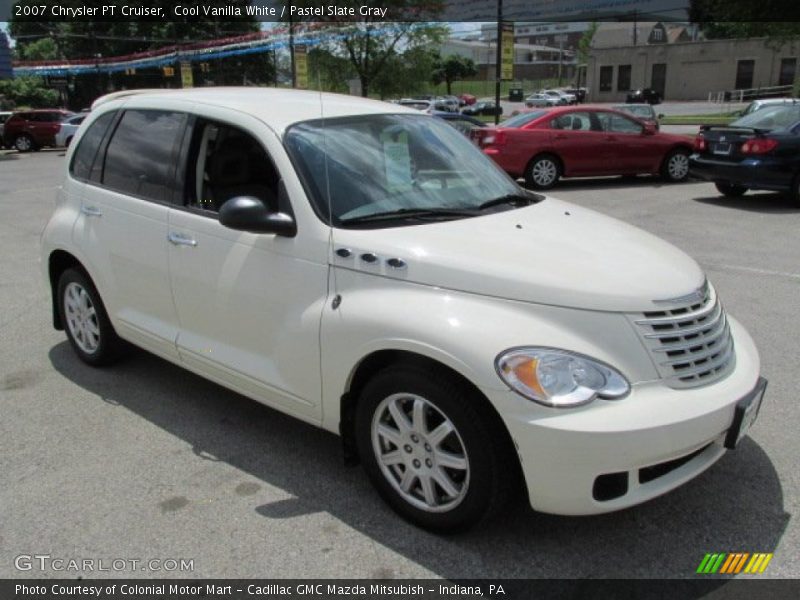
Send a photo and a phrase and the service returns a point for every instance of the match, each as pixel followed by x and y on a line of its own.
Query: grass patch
pixel 723 119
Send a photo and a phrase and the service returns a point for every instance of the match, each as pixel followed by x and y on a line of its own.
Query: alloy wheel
pixel 81 318
pixel 544 172
pixel 420 452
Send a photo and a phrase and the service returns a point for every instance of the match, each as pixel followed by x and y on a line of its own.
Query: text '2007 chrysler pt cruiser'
pixel 363 267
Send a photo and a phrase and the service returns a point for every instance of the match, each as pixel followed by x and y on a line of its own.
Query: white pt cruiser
pixel 363 267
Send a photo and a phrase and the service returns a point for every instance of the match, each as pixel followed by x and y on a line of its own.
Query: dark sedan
pixel 464 123
pixel 760 151
pixel 483 107
pixel 643 96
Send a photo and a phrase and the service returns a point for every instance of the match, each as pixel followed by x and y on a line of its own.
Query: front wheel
pixel 430 452
pixel 730 190
pixel 676 166
pixel 85 320
pixel 543 172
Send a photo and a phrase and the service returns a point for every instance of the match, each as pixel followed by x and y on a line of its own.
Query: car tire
pixel 675 167
pixel 86 321
pixel 24 143
pixel 730 190
pixel 443 420
pixel 543 172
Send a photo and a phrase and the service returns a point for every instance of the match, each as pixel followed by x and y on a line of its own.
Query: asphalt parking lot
pixel 145 460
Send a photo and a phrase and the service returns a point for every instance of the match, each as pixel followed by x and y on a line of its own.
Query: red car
pixel 543 145
pixel 467 99
pixel 32 129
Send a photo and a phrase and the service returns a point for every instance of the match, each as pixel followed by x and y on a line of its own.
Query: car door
pixel 122 230
pixel 577 144
pixel 249 304
pixel 627 149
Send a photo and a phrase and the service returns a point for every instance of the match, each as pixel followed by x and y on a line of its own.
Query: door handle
pixel 611 138
pixel 180 239
pixel 91 211
pixel 560 136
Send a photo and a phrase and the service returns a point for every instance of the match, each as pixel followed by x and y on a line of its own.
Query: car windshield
pixel 771 117
pixel 523 118
pixel 357 167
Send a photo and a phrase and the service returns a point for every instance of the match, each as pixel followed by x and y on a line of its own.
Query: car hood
pixel 548 253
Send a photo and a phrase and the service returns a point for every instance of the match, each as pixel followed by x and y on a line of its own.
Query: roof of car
pixel 278 108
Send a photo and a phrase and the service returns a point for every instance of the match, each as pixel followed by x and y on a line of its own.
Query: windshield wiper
pixel 413 213
pixel 514 199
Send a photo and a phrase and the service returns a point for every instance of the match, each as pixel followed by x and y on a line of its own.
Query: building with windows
pixel 690 70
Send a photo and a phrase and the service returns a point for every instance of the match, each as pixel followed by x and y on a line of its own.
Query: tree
pixel 745 18
pixel 585 44
pixel 28 91
pixel 371 44
pixel 453 68
pixel 42 49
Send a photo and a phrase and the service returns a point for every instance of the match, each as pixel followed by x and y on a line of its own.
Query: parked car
pixel 464 123
pixel 453 103
pixel 32 129
pixel 643 96
pixel 4 115
pixel 461 334
pixel 760 151
pixel 643 112
pixel 484 108
pixel 69 127
pixel 467 99
pixel 541 100
pixel 568 97
pixel 758 104
pixel 579 93
pixel 560 99
pixel 544 145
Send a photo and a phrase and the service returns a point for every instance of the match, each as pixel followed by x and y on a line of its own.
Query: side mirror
pixel 247 213
pixel 660 116
pixel 649 128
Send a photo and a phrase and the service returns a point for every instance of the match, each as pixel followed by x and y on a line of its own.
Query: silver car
pixel 541 101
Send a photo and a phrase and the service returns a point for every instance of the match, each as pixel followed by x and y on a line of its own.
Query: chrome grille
pixel 691 344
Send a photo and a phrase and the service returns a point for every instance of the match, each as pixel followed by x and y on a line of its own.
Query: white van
pixel 365 268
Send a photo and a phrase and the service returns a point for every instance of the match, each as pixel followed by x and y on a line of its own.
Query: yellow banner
pixel 187 80
pixel 507 52
pixel 301 67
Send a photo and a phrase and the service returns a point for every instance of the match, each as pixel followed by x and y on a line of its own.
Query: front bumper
pixel 754 173
pixel 564 452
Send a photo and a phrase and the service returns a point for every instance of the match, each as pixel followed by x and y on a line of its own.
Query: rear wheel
pixel 543 172
pixel 24 143
pixel 431 453
pixel 730 190
pixel 676 166
pixel 85 320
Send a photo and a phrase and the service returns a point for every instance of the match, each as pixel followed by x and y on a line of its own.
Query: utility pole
pixel 498 62
pixel 635 27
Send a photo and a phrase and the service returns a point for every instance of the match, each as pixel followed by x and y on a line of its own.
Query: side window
pixel 225 162
pixel 618 123
pixel 140 158
pixel 576 121
pixel 87 148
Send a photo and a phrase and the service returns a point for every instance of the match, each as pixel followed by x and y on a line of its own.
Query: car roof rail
pixel 124 94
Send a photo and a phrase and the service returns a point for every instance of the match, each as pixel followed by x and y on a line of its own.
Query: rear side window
pixel 140 158
pixel 84 155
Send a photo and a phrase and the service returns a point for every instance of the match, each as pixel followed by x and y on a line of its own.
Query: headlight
pixel 559 378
